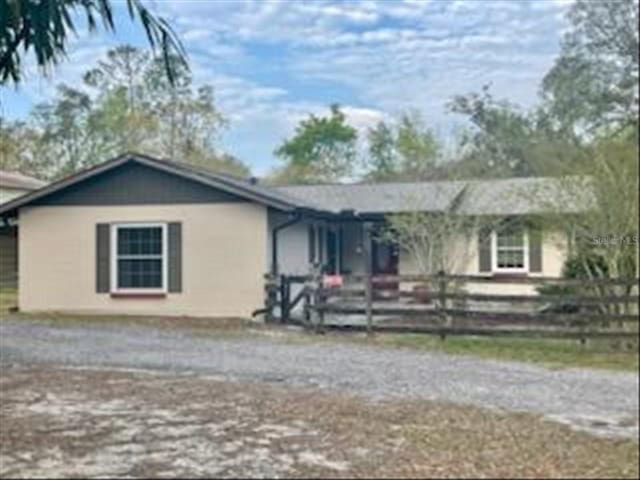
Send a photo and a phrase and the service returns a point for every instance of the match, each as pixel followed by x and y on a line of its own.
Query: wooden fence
pixel 446 305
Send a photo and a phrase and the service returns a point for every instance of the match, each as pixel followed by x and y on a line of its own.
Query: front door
pixel 331 265
pixel 385 258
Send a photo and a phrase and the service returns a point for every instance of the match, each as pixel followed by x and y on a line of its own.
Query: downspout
pixel 297 216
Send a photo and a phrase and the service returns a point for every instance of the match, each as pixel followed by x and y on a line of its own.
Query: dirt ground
pixel 72 422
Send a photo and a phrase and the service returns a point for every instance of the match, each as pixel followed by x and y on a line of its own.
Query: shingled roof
pixel 512 196
pixel 515 196
pixel 378 198
pixel 525 196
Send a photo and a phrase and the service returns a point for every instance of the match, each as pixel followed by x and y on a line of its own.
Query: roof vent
pixel 253 180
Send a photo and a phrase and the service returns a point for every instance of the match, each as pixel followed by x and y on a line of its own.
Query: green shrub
pixel 574 268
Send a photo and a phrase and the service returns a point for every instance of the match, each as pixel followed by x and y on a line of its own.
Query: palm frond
pixel 44 27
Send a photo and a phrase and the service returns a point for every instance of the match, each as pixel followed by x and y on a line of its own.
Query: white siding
pixel 293 245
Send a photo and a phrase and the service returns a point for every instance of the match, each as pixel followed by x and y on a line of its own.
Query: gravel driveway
pixel 604 403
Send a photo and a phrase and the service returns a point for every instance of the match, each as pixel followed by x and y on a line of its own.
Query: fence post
pixel 442 301
pixel 271 297
pixel 283 299
pixel 306 309
pixel 583 338
pixel 319 301
pixel 369 306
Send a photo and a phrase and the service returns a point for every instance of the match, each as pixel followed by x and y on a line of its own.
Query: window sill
pixel 138 295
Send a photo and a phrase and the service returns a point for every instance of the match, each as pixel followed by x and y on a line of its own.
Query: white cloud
pixel 564 3
pixel 272 62
pixel 362 118
pixel 344 11
pixel 39 86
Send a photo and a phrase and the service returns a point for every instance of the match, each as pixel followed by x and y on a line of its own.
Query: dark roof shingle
pixel 511 196
pixel 378 198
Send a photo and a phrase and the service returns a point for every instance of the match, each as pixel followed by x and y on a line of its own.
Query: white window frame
pixel 494 254
pixel 115 227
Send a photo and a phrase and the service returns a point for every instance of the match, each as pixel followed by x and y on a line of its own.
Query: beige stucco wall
pixel 554 251
pixel 223 259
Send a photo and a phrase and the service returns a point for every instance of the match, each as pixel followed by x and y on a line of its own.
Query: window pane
pixel 511 237
pixel 140 241
pixel 140 273
pixel 510 259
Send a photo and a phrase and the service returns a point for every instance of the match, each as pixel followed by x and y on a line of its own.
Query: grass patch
pixel 162 322
pixel 198 326
pixel 554 353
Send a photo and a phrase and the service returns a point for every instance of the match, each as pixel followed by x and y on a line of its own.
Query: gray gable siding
pixel 136 184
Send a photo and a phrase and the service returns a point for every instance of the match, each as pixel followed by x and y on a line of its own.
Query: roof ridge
pixel 369 184
pixel 465 181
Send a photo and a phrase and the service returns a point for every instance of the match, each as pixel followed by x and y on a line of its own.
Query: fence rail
pixel 515 317
pixel 580 300
pixel 501 279
pixel 601 308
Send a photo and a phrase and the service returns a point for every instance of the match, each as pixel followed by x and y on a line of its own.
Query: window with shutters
pixel 510 250
pixel 139 257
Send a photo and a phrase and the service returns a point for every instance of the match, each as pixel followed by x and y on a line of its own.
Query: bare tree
pixel 442 240
pixel 602 198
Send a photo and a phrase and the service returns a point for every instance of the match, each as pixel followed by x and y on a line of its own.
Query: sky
pixel 273 62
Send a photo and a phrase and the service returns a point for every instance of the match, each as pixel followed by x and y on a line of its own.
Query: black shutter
pixel 535 250
pixel 103 257
pixel 175 257
pixel 484 250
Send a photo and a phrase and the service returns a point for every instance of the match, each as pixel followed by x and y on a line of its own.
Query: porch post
pixel 338 235
pixel 366 248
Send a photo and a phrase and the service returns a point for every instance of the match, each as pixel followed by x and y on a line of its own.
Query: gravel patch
pixel 69 422
pixel 603 403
